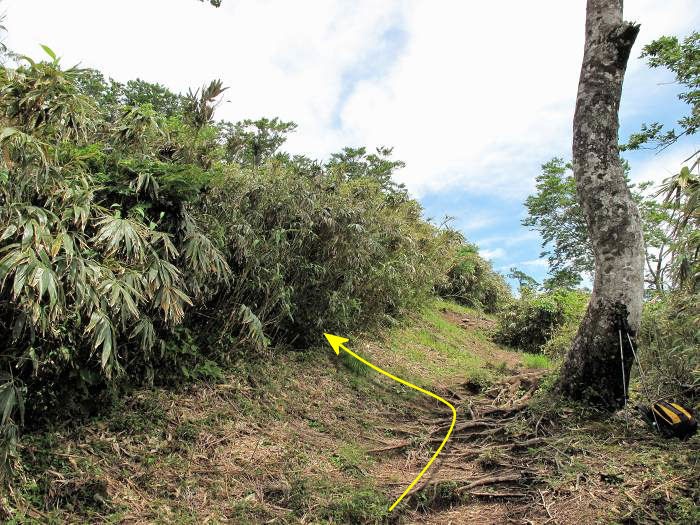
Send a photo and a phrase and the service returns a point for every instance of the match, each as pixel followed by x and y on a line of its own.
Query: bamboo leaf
pixel 49 51
pixel 7 401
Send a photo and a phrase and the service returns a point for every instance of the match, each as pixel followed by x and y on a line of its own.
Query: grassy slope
pixel 286 440
pixel 283 437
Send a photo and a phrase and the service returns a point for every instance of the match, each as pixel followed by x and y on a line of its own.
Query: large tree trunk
pixel 592 371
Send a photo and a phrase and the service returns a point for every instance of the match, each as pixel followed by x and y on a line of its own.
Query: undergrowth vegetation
pixel 669 342
pixel 542 322
pixel 471 281
pixel 141 242
pixel 286 438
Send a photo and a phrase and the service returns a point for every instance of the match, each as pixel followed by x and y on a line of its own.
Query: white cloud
pixel 477 222
pixel 485 91
pixel 663 165
pixel 480 95
pixel 542 263
pixel 496 253
pixel 509 240
pixel 674 17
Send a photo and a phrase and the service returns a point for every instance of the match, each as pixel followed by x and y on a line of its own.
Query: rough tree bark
pixel 592 370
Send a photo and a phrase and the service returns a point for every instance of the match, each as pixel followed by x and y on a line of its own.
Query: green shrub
pixel 361 505
pixel 669 347
pixel 559 344
pixel 472 282
pixel 536 361
pixel 101 257
pixel 132 251
pixel 318 254
pixel 542 322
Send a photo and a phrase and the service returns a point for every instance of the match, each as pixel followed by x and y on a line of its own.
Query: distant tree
pixel 111 94
pixel 562 279
pixel 524 280
pixel 303 165
pixel 554 212
pixel 657 224
pixel 592 370
pixel 252 142
pixel 683 193
pixel 355 163
pixel 139 92
pixel 93 83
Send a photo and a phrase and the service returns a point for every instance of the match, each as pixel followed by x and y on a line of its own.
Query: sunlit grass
pixel 536 361
pixel 441 349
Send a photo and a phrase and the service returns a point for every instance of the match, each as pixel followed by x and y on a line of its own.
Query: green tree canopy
pixel 554 212
pixel 525 281
pixel 354 163
pixel 252 142
pixel 682 59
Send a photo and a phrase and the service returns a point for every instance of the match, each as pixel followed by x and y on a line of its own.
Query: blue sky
pixel 473 96
pixel 494 222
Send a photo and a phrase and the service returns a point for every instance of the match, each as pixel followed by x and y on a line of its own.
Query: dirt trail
pixel 480 477
pixel 305 438
pixel 511 460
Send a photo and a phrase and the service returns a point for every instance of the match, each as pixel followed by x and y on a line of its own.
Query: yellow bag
pixel 671 419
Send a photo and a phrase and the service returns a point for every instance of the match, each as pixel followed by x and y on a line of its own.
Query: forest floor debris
pixel 306 438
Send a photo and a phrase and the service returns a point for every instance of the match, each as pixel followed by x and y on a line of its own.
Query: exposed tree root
pixel 482 439
pixel 490 480
pixel 497 494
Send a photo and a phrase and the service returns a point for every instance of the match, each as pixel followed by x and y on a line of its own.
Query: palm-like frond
pixel 34 280
pixel 104 339
pixel 20 148
pixel 203 258
pixel 125 236
pixel 136 125
pixel 122 299
pixel 201 104
pixel 43 99
pixel 163 281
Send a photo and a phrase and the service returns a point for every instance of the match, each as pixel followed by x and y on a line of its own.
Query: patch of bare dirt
pixel 469 322
pixel 490 352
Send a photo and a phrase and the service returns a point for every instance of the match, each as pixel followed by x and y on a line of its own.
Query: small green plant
pixel 355 366
pixel 140 414
pixel 442 495
pixel 363 505
pixel 669 347
pixel 351 458
pixel 536 361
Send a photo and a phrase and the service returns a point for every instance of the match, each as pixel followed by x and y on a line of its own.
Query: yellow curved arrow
pixel 337 343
